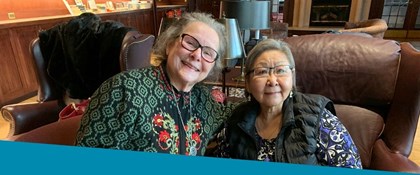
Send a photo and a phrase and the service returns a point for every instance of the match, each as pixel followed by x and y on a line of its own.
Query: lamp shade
pixel 234 48
pixel 250 14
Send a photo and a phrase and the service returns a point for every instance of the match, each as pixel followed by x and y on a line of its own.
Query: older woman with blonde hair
pixel 162 108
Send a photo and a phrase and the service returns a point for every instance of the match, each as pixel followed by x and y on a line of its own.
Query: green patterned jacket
pixel 135 110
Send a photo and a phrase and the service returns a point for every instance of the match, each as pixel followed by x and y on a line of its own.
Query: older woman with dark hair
pixel 280 124
pixel 163 108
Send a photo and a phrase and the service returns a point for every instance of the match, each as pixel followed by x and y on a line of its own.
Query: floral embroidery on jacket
pixel 168 133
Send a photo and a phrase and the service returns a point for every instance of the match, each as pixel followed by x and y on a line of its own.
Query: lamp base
pixel 240 78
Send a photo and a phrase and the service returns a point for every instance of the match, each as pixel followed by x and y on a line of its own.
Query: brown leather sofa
pixel 375 85
pixel 134 53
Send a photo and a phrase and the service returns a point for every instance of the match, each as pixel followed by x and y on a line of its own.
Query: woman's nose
pixel 196 54
pixel 272 79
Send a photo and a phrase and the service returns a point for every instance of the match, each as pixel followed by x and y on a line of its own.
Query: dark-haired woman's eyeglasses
pixel 278 71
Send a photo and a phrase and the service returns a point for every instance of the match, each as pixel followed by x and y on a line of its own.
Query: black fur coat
pixel 82 53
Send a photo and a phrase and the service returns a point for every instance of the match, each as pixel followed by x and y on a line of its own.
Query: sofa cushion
pixel 61 132
pixel 364 126
pixel 347 69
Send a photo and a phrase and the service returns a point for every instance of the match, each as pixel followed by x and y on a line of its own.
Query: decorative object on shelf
pixel 11 15
pixel 178 13
pixel 92 5
pixel 77 9
pixel 133 5
pixel 78 2
pixel 165 23
pixel 110 6
pixel 80 5
pixel 119 6
pixel 101 8
pixel 170 14
pixel 173 13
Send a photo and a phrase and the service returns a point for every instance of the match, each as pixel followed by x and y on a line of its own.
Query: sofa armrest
pixel 385 159
pixel 28 116
pixel 62 132
pixel 402 119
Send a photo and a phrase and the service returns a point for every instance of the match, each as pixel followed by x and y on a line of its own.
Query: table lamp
pixel 251 15
pixel 234 48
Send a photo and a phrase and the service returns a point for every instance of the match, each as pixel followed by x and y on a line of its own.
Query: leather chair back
pixel 348 69
pixel 135 51
pixel 47 89
pixel 375 87
pixel 374 27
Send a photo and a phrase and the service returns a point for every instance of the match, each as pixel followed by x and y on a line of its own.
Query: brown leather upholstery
pixel 375 86
pixel 47 88
pixel 135 50
pixel 361 119
pixel 61 132
pixel 137 47
pixel 374 27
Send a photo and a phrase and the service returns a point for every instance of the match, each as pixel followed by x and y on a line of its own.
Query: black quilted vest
pixel 296 142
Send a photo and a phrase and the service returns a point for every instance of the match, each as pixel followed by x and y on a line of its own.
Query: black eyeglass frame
pixel 199 46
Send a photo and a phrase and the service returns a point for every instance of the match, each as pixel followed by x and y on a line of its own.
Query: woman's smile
pixel 190 66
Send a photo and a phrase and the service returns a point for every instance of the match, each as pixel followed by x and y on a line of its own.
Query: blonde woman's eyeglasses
pixel 191 44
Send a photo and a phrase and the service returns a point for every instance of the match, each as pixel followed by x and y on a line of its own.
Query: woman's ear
pixel 167 50
pixel 169 47
pixel 247 91
pixel 247 88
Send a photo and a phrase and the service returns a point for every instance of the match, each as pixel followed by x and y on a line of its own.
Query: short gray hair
pixel 170 35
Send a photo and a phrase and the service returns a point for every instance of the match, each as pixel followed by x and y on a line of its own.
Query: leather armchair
pixel 374 27
pixel 375 85
pixel 135 53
